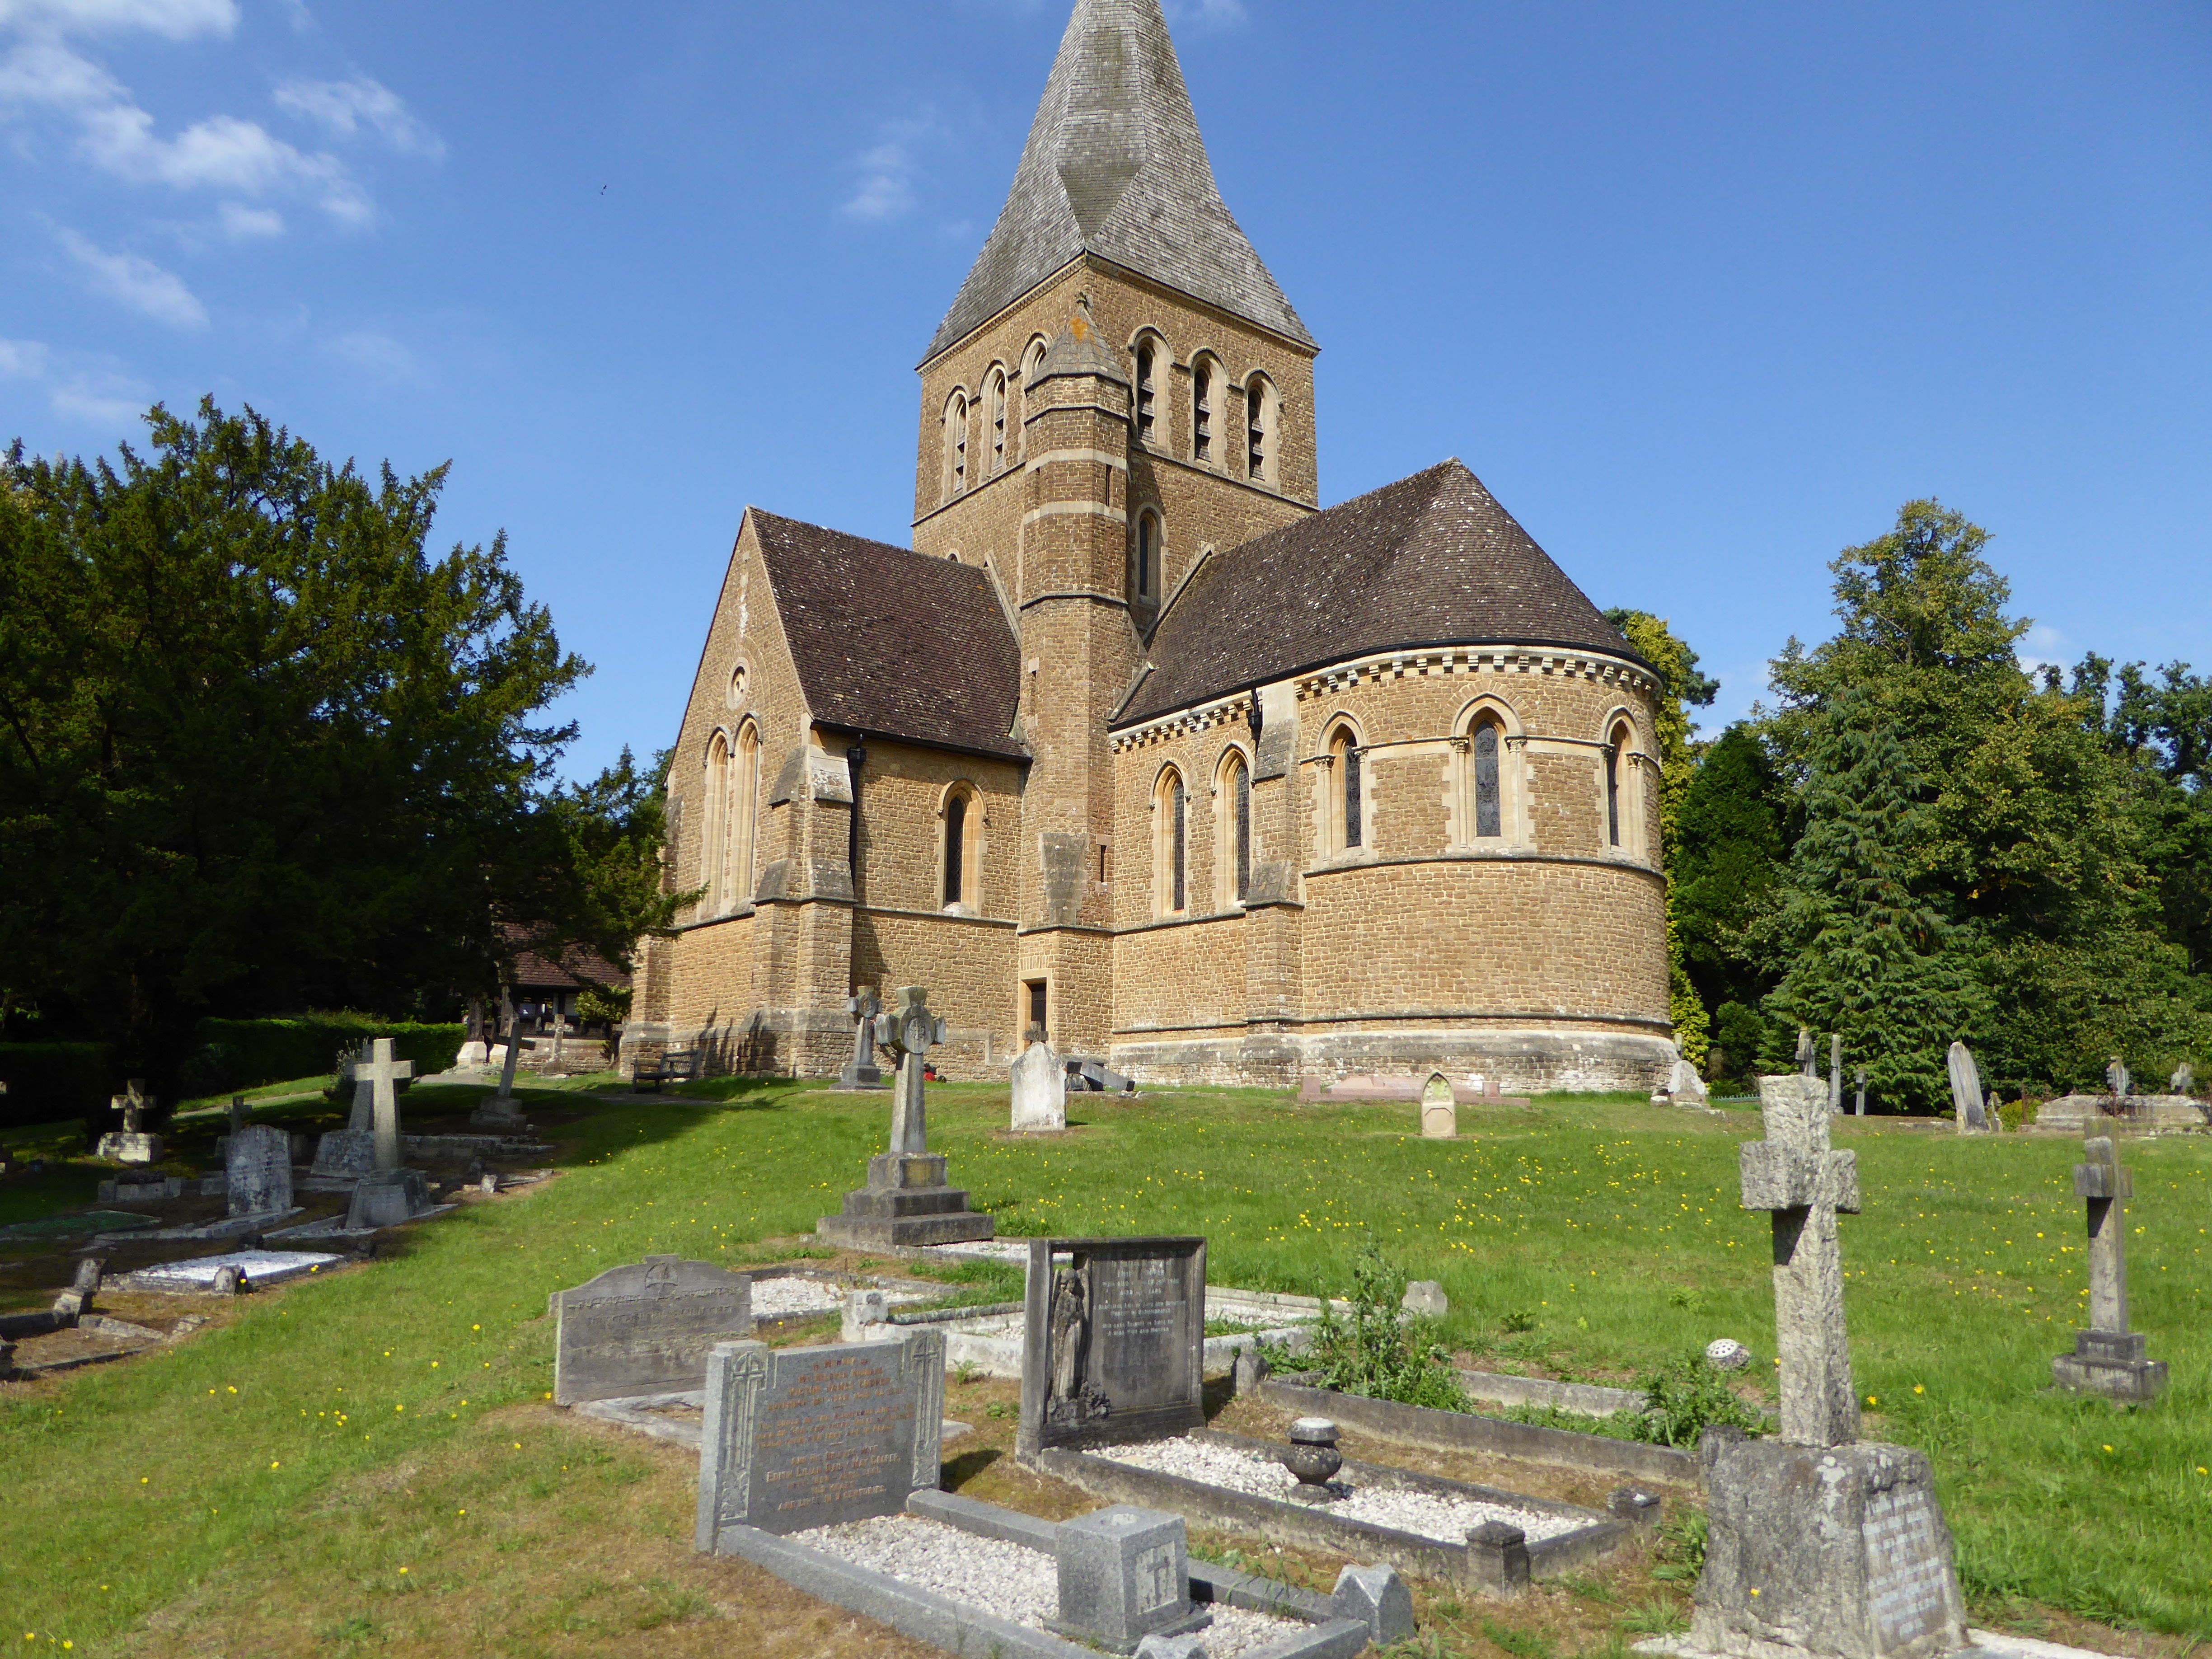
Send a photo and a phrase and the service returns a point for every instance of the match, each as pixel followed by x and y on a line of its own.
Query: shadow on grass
pixel 960 1470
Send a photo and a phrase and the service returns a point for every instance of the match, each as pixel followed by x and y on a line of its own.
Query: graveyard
pixel 370 1457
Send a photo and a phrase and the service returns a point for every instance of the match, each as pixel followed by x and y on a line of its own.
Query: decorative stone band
pixel 1074 510
pixel 1094 457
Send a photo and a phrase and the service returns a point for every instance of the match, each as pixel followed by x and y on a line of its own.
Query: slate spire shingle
pixel 1114 166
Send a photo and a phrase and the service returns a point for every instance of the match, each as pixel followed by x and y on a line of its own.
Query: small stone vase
pixel 1313 1457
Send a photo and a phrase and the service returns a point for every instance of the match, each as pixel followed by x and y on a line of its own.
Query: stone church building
pixel 1136 744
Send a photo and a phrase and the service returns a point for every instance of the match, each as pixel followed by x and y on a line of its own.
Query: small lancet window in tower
pixel 1488 821
pixel 1032 361
pixel 998 422
pixel 1613 751
pixel 1201 413
pixel 1146 391
pixel 1181 899
pixel 956 445
pixel 1344 751
pixel 1148 556
pixel 1261 414
pixel 1235 848
pixel 955 849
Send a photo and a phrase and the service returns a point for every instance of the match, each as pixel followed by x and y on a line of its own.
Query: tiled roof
pixel 892 642
pixel 579 966
pixel 1430 560
pixel 1114 166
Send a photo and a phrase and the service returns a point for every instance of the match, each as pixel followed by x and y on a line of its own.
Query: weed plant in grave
pixel 1381 1350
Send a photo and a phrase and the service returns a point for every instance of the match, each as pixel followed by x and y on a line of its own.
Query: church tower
pixel 1119 391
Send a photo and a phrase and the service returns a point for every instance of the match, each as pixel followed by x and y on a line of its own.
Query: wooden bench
pixel 670 1065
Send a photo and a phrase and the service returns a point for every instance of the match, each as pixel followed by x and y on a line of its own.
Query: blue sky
pixel 1702 293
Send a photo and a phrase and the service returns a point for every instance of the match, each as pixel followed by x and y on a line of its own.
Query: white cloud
pixel 889 170
pixel 1205 14
pixel 2042 646
pixel 378 355
pixel 137 282
pixel 22 360
pixel 174 19
pixel 350 108
pixel 242 223
pixel 94 392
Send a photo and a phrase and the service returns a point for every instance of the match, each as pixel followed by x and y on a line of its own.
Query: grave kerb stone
pixel 796 1439
pixel 1113 1333
pixel 644 1328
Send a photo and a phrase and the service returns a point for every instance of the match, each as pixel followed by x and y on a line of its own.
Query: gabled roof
pixel 1114 166
pixel 891 642
pixel 1430 560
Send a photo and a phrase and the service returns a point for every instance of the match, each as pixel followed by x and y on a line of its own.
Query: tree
pixel 1735 834
pixel 1870 953
pixel 1682 687
pixel 259 751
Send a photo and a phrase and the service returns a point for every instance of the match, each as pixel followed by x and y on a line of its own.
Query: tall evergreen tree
pixel 1734 832
pixel 1867 949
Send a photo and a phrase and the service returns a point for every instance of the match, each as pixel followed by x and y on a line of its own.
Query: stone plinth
pixel 2112 1363
pixel 130 1146
pixel 1836 1551
pixel 386 1199
pixel 345 1152
pixel 906 1201
pixel 1124 1575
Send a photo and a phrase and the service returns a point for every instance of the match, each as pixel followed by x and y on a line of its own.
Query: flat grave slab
pixel 259 1267
pixel 236 1226
pixel 74 1226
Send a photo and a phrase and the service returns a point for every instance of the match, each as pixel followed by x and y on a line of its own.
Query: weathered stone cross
pixel 2106 1186
pixel 1794 1173
pixel 134 1105
pixel 380 1072
pixel 913 1031
pixel 862 1071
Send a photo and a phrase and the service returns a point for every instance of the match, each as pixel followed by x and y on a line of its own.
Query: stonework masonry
pixel 839 753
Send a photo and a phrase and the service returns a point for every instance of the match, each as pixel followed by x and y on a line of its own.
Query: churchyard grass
pixel 1593 1239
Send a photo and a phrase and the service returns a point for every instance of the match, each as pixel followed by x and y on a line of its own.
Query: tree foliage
pixel 261 750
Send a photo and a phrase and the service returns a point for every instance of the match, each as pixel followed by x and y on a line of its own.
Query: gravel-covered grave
pixel 783 1298
pixel 1007 1581
pixel 1445 1519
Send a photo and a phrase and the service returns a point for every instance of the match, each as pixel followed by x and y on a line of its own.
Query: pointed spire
pixel 1114 166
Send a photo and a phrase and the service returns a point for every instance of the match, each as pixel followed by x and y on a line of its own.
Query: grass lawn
pixel 260 1488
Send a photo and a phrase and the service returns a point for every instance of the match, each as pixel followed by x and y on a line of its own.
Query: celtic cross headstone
pixel 861 1072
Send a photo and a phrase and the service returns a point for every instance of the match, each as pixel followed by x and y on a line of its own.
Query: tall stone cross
pixel 861 1071
pixel 380 1072
pixel 913 1031
pixel 133 1101
pixel 1793 1174
pixel 2106 1186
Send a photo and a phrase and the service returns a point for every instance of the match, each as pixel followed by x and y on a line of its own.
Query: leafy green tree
pixel 261 750
pixel 1859 923
pixel 1735 834
pixel 1683 687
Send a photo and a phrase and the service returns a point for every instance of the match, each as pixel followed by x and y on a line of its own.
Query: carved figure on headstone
pixel 1071 1339
pixel 1966 1089
pixel 861 1072
pixel 2108 1357
pixel 1114 1341
pixel 2116 1080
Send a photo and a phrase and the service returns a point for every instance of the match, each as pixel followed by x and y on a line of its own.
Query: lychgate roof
pixel 891 642
pixel 1430 560
pixel 1114 166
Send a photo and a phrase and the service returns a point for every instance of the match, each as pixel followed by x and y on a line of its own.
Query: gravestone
pixel 1683 1086
pixel 258 1169
pixel 1040 1091
pixel 1858 1105
pixel 645 1328
pixel 2107 1358
pixel 1439 1112
pixel 1124 1575
pixel 861 1072
pixel 382 1074
pixel 237 1114
pixel 503 1111
pixel 1835 1074
pixel 1993 1113
pixel 1818 1543
pixel 1425 1297
pixel 385 1198
pixel 351 1152
pixel 1805 1052
pixel 802 1437
pixel 2184 1080
pixel 133 1143
pixel 2116 1080
pixel 1965 1091
pixel 907 1201
pixel 1114 1331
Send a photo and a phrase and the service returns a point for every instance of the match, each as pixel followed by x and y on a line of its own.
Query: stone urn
pixel 1313 1457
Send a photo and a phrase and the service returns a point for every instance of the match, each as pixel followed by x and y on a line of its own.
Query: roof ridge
pixel 1115 166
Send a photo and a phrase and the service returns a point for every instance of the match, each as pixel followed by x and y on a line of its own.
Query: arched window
pixel 995 404
pixel 1619 747
pixel 1171 810
pixel 955 849
pixel 712 832
pixel 1148 359
pixel 1345 830
pixel 745 792
pixel 1489 818
pixel 1262 414
pixel 1146 582
pixel 1032 361
pixel 1232 852
pixel 956 445
pixel 1201 411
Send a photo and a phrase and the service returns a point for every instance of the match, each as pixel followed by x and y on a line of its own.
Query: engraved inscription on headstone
pixel 1113 1333
pixel 258 1163
pixel 645 1328
pixel 802 1437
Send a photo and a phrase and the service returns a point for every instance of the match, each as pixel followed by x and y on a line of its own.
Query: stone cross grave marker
pixel 237 1114
pixel 861 1072
pixel 133 1143
pixel 2108 1357
pixel 1858 1100
pixel 1040 1091
pixel 1966 1090
pixel 906 1199
pixel 1835 1072
pixel 381 1074
pixel 802 1437
pixel 134 1106
pixel 257 1171
pixel 645 1328
pixel 1439 1112
pixel 1793 1174
pixel 1113 1333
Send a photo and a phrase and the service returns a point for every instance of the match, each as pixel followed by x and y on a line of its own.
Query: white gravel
pixel 780 1299
pixel 1448 1520
pixel 1019 1585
